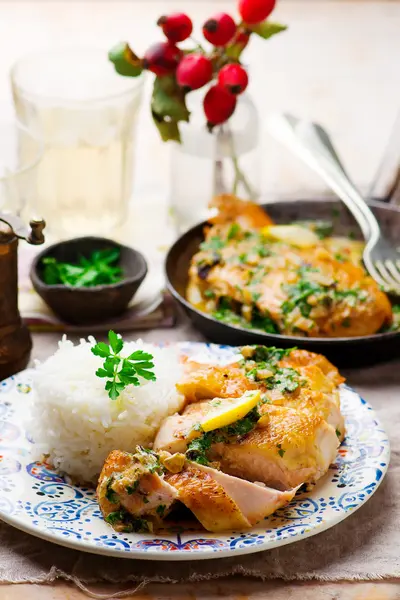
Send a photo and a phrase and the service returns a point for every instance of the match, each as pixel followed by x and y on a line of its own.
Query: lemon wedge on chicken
pixel 229 412
pixel 295 235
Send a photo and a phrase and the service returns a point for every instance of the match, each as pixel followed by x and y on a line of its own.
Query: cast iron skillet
pixel 344 352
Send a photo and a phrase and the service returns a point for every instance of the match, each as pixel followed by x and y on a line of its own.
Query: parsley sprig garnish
pixel 120 370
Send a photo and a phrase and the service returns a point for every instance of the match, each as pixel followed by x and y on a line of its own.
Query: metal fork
pixel 312 144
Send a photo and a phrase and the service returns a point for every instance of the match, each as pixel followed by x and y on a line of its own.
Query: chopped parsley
pixel 256 296
pixel 214 243
pixel 242 257
pixel 128 522
pixel 395 325
pixel 115 517
pixel 281 451
pixel 284 379
pixel 263 322
pixel 338 432
pixel 243 426
pixel 346 322
pixel 131 489
pixel 209 294
pixel 234 229
pixel 270 354
pixel 298 295
pixel 160 510
pixel 263 251
pixel 110 494
pixel 323 229
pixel 198 448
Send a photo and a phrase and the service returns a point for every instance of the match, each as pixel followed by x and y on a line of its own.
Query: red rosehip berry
pixel 255 11
pixel 162 58
pixel 176 27
pixel 218 105
pixel 233 78
pixel 220 29
pixel 194 71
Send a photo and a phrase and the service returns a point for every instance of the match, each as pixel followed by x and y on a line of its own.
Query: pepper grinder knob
pixel 36 236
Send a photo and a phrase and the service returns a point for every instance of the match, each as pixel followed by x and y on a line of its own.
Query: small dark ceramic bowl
pixel 344 352
pixel 89 305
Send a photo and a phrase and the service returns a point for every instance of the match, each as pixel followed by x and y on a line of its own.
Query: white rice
pixel 76 424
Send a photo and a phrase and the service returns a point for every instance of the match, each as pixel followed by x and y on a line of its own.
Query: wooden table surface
pixel 337 64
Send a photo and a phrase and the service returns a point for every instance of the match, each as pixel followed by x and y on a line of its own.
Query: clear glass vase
pixel 207 164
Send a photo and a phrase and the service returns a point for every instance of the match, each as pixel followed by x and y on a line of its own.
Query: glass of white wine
pixel 20 156
pixel 86 115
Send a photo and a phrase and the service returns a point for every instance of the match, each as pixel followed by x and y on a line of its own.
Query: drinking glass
pixel 20 155
pixel 86 115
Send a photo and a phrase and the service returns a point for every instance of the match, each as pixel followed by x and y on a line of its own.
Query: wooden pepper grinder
pixel 15 339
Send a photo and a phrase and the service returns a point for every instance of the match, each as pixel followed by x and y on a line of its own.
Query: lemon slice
pixel 295 235
pixel 231 412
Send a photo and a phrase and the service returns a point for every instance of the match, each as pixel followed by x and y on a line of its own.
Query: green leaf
pixel 267 29
pixel 108 366
pixel 168 100
pixel 112 389
pixel 128 379
pixel 125 62
pixel 51 275
pixel 143 365
pixel 146 375
pixel 168 130
pixel 140 355
pixel 116 342
pixel 138 364
pixel 101 349
pixel 168 107
pixel 101 373
pixel 234 51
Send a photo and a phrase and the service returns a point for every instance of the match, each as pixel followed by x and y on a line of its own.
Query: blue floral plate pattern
pixel 43 503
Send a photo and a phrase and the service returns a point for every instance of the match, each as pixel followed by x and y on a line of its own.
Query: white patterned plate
pixel 44 504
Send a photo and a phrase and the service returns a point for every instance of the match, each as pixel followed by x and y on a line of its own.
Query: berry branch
pixel 179 70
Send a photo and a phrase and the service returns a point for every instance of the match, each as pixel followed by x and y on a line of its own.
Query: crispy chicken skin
pixel 247 214
pixel 272 285
pixel 287 448
pixel 221 502
pixel 319 395
pixel 202 382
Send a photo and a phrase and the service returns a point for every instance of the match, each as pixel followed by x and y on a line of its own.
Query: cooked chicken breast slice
pixel 221 502
pixel 284 450
pixel 132 492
